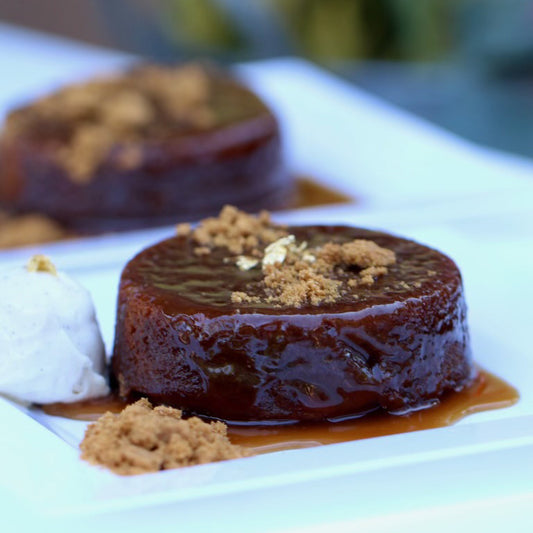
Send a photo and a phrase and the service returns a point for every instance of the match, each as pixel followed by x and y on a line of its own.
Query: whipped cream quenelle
pixel 51 348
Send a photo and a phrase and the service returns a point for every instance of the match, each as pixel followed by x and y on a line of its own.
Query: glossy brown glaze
pixel 486 392
pixel 182 174
pixel 399 344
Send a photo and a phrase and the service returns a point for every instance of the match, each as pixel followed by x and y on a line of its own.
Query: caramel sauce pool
pixel 486 393
pixel 310 193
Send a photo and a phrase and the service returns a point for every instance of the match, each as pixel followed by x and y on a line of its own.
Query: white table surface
pixel 408 177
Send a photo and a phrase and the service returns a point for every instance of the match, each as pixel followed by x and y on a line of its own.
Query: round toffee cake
pixel 246 321
pixel 148 147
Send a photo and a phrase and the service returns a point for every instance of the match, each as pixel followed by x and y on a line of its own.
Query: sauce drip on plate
pixel 486 393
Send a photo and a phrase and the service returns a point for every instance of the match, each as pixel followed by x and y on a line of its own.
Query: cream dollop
pixel 51 348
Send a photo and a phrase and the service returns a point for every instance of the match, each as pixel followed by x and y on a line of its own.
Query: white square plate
pixel 409 178
pixel 485 456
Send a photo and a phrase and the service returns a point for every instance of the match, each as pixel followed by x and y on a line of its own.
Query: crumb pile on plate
pixel 24 230
pixel 145 439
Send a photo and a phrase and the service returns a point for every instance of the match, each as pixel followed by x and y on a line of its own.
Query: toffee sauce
pixel 398 344
pixel 487 392
pixel 311 193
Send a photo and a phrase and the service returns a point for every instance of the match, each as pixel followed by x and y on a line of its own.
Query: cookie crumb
pixel 21 230
pixel 41 263
pixel 359 252
pixel 237 231
pixel 368 275
pixel 183 230
pixel 145 439
pixel 239 297
pixel 297 284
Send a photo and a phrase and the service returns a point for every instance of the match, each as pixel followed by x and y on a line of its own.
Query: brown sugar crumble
pixel 21 230
pixel 318 275
pixel 111 115
pixel 293 274
pixel 144 439
pixel 235 230
pixel 41 263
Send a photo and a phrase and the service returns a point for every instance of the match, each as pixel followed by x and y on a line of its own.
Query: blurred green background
pixel 466 65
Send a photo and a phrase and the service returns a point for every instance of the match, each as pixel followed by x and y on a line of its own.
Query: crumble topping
pixel 183 229
pixel 117 112
pixel 41 263
pixel 292 273
pixel 295 275
pixel 235 230
pixel 145 439
pixel 21 230
pixel 244 262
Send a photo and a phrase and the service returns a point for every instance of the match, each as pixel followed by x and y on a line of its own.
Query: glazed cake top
pixel 149 103
pixel 238 263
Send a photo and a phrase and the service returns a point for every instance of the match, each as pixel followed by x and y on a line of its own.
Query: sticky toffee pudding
pixel 250 322
pixel 146 147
